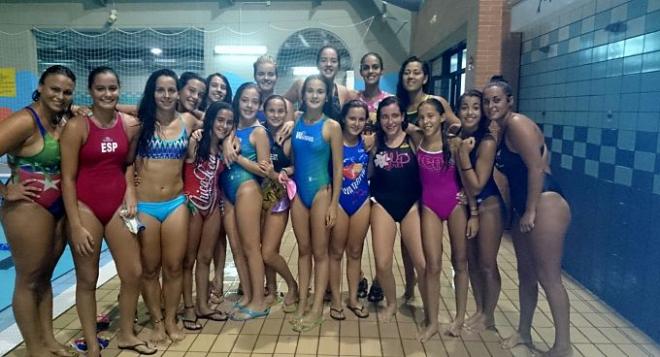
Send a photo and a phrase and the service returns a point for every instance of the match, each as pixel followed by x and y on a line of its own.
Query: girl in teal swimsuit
pixel 32 211
pixel 161 150
pixel 315 140
pixel 243 203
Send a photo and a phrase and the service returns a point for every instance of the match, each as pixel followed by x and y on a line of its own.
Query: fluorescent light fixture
pixel 240 50
pixel 156 51
pixel 305 71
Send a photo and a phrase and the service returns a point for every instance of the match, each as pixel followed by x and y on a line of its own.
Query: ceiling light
pixel 305 71
pixel 240 50
pixel 156 51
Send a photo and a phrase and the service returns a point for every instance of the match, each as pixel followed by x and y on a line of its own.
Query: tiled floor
pixel 596 330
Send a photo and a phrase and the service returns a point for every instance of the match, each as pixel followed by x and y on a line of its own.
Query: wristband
pixel 467 169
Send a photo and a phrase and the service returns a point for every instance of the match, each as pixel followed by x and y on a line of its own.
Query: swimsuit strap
pixel 37 120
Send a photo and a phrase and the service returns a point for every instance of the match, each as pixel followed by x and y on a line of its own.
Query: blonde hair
pixel 262 60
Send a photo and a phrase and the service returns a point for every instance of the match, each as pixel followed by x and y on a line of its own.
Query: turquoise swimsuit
pixel 163 149
pixel 311 159
pixel 234 177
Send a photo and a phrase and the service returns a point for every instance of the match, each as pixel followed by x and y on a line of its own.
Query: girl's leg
pixel 125 251
pixel 474 271
pixel 409 272
pixel 432 243
pixel 456 225
pixel 490 236
pixel 237 250
pixel 173 251
pixel 248 211
pixel 301 229
pixel 383 232
pixel 87 273
pixel 194 236
pixel 547 242
pixel 30 230
pixel 219 257
pixel 46 303
pixel 150 253
pixel 274 226
pixel 338 240
pixel 411 235
pixel 210 233
pixel 357 232
pixel 320 236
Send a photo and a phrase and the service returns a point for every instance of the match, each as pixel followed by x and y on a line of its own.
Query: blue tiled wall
pixel 594 86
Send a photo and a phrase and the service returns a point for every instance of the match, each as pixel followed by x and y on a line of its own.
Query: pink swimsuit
pixel 439 183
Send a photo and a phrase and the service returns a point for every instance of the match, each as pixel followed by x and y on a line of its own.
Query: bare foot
pixel 388 313
pixel 428 332
pixel 558 352
pixel 59 349
pixel 470 320
pixel 454 329
pixel 174 331
pixel 270 299
pixel 291 296
pixel 480 324
pixel 158 334
pixel 517 339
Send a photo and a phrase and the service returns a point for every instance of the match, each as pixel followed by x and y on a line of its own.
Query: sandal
pixel 214 316
pixel 360 312
pixel 290 308
pixel 337 314
pixel 245 314
pixel 363 287
pixel 141 348
pixel 304 326
pixel 375 292
pixel 102 322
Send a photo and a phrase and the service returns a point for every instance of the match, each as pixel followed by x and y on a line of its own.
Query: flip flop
pixel 337 314
pixel 214 316
pixel 245 314
pixel 102 322
pixel 290 308
pixel 81 346
pixel 310 325
pixel 141 348
pixel 360 312
pixel 191 324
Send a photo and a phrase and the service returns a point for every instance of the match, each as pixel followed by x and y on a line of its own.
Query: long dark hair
pixel 50 71
pixel 99 70
pixel 237 99
pixel 204 148
pixel 401 91
pixel 446 153
pixel 228 97
pixel 147 109
pixel 355 103
pixel 380 134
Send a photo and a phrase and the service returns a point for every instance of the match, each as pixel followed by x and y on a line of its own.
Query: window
pixel 448 73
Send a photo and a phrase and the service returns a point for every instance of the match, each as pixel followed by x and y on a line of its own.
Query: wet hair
pixel 273 97
pixel 263 60
pixel 499 81
pixel 318 54
pixel 187 77
pixel 237 99
pixel 484 122
pixel 147 109
pixel 99 70
pixel 228 97
pixel 401 91
pixel 355 103
pixel 53 70
pixel 204 148
pixel 446 153
pixel 378 57
pixel 380 134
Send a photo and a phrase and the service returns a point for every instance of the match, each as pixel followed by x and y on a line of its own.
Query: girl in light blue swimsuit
pixel 315 140
pixel 240 185
pixel 161 150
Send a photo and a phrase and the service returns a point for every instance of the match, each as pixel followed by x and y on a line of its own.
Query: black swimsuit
pixel 395 182
pixel 515 170
pixel 490 189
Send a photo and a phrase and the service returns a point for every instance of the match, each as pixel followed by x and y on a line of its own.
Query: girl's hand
pixel 331 216
pixel 197 135
pixel 472 227
pixel 454 144
pixel 467 145
pixel 266 167
pixel 82 241
pixel 282 177
pixel 285 132
pixel 369 141
pixel 22 191
pixel 527 221
pixel 230 150
pixel 130 203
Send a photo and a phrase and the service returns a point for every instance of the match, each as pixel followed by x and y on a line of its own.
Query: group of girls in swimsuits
pixel 194 163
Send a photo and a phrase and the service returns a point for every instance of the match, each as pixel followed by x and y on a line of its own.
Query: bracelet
pixel 474 213
pixel 467 169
